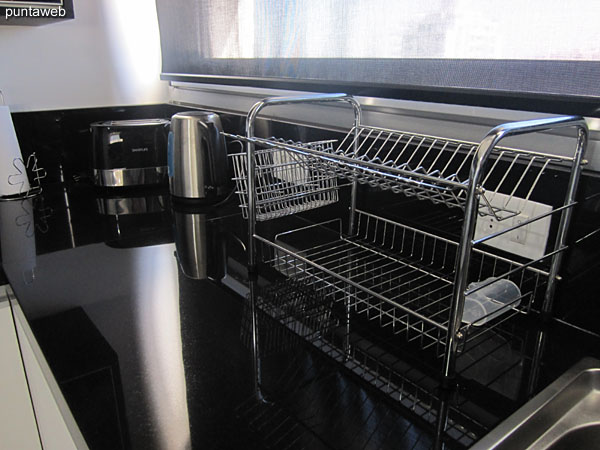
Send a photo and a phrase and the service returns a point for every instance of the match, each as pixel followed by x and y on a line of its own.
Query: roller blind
pixel 545 47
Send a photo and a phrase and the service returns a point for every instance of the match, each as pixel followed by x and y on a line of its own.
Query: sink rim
pixel 529 410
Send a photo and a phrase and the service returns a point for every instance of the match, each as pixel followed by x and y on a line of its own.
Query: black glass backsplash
pixel 63 138
pixel 62 142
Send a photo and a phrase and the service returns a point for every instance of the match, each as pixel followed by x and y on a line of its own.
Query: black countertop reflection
pixel 145 356
pixel 139 308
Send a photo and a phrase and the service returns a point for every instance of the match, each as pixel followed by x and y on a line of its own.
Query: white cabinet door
pixel 18 429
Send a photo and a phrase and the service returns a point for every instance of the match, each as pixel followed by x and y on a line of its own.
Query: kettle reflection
pixel 200 249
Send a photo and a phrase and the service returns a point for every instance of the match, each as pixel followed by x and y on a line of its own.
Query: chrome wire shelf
pixel 421 166
pixel 444 166
pixel 399 276
pixel 286 182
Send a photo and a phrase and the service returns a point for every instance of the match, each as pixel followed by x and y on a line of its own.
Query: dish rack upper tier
pixel 426 167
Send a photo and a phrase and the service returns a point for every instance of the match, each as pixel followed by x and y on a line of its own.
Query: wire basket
pixel 286 182
pixel 399 276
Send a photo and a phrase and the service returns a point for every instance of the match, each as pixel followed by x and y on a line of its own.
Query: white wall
pixel 108 55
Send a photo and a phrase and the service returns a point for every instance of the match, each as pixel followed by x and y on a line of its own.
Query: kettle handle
pixel 214 145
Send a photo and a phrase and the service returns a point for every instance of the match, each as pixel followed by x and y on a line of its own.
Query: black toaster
pixel 130 152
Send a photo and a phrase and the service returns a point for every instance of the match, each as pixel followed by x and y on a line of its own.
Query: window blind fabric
pixel 540 47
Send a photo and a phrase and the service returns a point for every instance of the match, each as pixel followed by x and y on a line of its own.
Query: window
pixel 537 49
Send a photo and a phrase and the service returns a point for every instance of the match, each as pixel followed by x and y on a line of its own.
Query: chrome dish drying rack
pixel 410 280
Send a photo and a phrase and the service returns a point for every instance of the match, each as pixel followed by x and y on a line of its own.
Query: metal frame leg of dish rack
pixel 251 170
pixel 251 163
pixel 468 230
pixel 565 220
pixel 256 363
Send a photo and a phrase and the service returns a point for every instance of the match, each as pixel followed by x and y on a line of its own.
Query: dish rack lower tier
pixel 400 277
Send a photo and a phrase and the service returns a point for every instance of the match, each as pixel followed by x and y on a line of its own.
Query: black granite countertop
pixel 150 341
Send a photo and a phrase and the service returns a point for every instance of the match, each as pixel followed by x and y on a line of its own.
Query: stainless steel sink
pixel 565 415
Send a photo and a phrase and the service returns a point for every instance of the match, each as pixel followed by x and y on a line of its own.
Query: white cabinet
pixel 33 411
pixel 18 427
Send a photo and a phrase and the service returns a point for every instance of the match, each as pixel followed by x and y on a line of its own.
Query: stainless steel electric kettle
pixel 197 158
